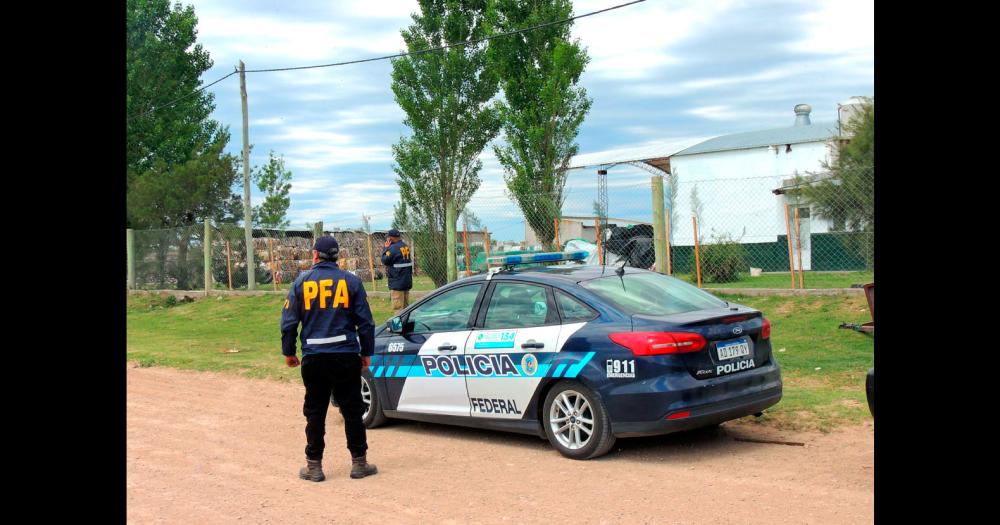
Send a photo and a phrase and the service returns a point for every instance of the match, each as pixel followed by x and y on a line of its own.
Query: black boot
pixel 361 468
pixel 313 471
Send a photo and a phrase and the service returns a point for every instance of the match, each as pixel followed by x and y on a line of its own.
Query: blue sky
pixel 660 71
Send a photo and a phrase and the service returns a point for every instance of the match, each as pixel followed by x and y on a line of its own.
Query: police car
pixel 580 355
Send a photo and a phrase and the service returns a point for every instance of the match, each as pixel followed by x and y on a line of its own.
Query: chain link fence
pixel 788 230
pixel 759 231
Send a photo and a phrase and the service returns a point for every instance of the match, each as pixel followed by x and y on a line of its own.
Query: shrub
pixel 722 260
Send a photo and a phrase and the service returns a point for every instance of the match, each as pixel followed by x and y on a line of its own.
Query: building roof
pixel 817 132
pixel 591 218
pixel 656 155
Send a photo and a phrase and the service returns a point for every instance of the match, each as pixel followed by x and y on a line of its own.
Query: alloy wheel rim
pixel 571 420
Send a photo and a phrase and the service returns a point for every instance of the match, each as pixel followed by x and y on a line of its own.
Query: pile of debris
pixel 354 252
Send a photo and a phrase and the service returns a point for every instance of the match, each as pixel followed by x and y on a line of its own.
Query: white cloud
pixel 316 135
pixel 279 42
pixel 650 74
pixel 632 42
pixel 845 26
pixel 775 78
pixel 726 112
pixel 396 10
pixel 273 121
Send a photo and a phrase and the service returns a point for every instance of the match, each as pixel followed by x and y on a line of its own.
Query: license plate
pixel 733 349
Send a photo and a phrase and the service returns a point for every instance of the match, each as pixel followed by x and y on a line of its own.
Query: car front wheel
pixel 575 422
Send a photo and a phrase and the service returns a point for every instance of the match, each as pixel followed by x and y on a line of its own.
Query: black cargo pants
pixel 339 374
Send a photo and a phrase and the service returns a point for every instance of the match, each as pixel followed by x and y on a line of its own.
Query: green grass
pixel 420 283
pixel 232 334
pixel 804 337
pixel 768 280
pixel 784 280
pixel 240 335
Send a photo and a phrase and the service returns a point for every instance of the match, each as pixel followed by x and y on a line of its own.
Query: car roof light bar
pixel 508 261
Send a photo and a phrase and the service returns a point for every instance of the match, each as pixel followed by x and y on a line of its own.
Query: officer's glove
pixel 291 361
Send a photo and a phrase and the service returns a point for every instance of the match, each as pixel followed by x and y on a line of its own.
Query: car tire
pixel 570 400
pixel 870 391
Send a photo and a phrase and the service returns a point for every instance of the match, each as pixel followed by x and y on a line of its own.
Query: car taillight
pixel 656 343
pixel 765 331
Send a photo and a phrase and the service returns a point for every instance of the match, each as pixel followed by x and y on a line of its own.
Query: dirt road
pixel 216 448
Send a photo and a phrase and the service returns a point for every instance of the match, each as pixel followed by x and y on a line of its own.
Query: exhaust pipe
pixel 758 414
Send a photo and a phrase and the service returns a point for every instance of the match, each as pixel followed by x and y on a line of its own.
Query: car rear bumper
pixel 717 412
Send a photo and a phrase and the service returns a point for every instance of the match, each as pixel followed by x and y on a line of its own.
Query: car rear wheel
pixel 575 422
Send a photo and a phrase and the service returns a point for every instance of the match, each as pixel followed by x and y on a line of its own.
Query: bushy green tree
pixel 276 182
pixel 446 96
pixel 845 193
pixel 163 63
pixel 177 173
pixel 543 105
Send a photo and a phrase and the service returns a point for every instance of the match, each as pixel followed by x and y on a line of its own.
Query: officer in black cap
pixel 398 261
pixel 337 326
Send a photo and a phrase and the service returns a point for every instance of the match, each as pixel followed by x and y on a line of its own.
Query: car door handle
pixel 532 344
pixel 447 347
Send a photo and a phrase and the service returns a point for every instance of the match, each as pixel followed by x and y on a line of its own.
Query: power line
pixel 398 55
pixel 182 97
pixel 448 46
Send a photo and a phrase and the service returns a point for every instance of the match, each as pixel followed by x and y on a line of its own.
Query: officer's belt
pixel 402 265
pixel 325 340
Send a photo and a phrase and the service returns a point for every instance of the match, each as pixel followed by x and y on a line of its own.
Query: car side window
pixel 518 305
pixel 447 312
pixel 573 311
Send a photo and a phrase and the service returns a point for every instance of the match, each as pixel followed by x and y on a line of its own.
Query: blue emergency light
pixel 530 258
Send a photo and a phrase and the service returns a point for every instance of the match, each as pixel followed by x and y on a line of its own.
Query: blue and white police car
pixel 580 355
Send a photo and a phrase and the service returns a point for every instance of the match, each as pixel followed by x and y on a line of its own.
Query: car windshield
pixel 652 294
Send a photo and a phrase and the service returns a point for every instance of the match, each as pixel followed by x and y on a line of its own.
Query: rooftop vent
pixel 802 112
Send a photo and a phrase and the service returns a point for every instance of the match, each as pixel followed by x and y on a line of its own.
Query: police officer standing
pixel 337 326
pixel 399 268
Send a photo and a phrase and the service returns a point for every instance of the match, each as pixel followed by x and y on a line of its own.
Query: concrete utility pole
pixel 130 250
pixel 247 214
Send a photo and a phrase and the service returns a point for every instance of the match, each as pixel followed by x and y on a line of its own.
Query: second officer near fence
pixel 398 262
pixel 337 326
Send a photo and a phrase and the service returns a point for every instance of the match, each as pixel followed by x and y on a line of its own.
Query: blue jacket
pixel 333 308
pixel 398 262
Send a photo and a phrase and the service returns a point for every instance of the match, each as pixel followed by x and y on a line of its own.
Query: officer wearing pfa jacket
pixel 338 339
pixel 398 262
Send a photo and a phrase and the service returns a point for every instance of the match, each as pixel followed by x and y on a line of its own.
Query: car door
pixel 423 366
pixel 510 351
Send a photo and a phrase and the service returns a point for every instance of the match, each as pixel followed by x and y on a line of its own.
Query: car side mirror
pixel 395 325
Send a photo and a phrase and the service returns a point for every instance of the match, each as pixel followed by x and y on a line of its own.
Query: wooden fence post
pixel 697 255
pixel 798 238
pixel 791 259
pixel 206 246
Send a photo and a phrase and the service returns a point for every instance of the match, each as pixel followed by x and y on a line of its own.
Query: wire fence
pixel 801 231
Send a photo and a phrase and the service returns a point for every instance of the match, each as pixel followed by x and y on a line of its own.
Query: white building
pixel 737 174
pixel 741 180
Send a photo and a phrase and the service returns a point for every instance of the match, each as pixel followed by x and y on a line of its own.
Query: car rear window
pixel 651 294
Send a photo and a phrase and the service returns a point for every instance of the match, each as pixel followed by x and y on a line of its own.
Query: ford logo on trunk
pixel 737 330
